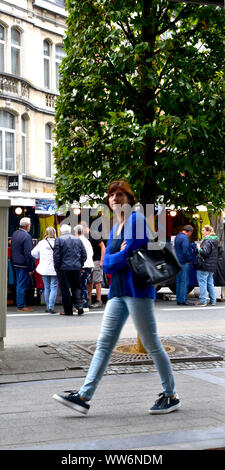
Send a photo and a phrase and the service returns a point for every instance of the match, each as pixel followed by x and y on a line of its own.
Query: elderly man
pixel 69 256
pixel 23 262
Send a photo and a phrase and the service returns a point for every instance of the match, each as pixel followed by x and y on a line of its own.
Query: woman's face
pixel 204 232
pixel 117 197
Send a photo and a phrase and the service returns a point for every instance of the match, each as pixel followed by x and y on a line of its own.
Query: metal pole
pixel 4 217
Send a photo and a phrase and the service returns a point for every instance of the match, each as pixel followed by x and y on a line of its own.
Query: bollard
pixel 4 217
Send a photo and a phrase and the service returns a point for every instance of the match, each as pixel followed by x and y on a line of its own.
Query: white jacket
pixel 44 252
pixel 89 263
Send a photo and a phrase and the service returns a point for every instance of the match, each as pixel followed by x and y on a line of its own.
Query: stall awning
pixel 23 199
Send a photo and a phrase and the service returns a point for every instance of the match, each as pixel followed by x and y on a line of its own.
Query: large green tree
pixel 142 98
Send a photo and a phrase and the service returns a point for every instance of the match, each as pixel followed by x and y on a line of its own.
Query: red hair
pixel 125 187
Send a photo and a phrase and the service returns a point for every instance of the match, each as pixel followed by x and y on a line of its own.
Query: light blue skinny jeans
pixel 116 313
pixel 206 283
pixel 50 292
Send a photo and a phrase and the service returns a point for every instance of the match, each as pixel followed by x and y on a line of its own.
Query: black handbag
pixel 151 267
pixel 198 262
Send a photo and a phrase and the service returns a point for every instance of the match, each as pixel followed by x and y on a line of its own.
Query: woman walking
pixel 44 251
pixel 208 250
pixel 128 234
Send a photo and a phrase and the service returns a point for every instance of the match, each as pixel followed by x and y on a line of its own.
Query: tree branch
pixel 123 79
pixel 162 147
pixel 162 8
pixel 128 33
pixel 183 13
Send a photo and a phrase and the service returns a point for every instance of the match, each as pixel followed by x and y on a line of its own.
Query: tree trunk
pixel 148 115
pixel 218 225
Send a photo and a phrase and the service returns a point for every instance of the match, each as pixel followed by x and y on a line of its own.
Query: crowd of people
pixel 71 261
pixel 75 263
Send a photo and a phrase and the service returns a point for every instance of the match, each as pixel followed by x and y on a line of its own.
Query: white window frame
pixel 47 60
pixel 23 145
pixel 5 130
pixel 18 48
pixel 51 5
pixel 48 155
pixel 57 65
pixel 2 41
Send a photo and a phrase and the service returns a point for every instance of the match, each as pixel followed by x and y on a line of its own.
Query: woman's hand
pixel 124 244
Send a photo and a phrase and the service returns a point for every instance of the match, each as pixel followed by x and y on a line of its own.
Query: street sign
pixel 15 183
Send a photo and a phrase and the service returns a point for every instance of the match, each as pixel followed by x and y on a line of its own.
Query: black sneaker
pixel 191 304
pixel 51 310
pixel 165 405
pixel 73 400
pixel 80 310
pixel 97 304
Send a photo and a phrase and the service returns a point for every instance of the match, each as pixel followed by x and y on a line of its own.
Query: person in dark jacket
pixel 184 254
pixel 219 275
pixel 23 262
pixel 208 249
pixel 69 256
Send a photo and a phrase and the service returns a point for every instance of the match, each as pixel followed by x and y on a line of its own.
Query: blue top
pixel 183 248
pixel 135 234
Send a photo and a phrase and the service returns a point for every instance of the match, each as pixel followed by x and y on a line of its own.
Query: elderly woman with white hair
pixel 69 257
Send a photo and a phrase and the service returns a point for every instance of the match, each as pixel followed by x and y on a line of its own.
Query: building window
pixel 15 52
pixel 59 54
pixel 60 3
pixel 46 52
pixel 48 151
pixel 23 143
pixel 7 141
pixel 2 48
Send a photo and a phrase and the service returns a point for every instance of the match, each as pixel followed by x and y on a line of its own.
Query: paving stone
pixel 73 359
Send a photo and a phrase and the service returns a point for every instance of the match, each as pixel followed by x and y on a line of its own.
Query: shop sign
pixel 15 182
pixel 45 206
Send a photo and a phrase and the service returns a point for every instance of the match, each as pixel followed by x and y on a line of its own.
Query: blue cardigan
pixel 136 235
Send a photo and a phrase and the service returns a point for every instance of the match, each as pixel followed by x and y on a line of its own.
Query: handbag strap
pixel 50 244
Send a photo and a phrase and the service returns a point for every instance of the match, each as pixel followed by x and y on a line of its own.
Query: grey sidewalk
pixel 118 419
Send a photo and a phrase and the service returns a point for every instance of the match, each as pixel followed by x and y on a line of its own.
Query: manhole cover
pixel 179 351
pixel 133 349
